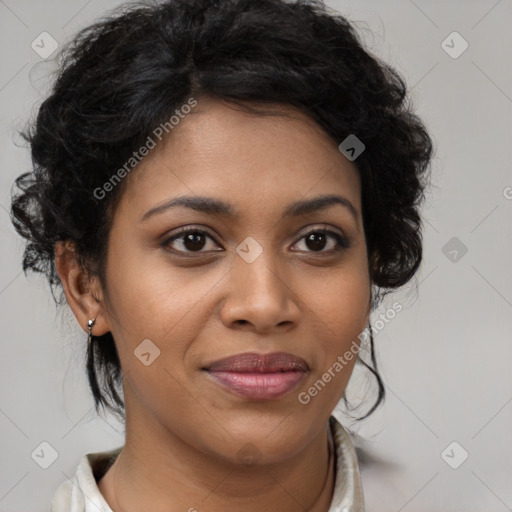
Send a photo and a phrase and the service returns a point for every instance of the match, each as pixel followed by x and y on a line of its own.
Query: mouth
pixel 258 376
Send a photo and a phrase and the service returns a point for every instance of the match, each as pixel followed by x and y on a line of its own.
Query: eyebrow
pixel 211 205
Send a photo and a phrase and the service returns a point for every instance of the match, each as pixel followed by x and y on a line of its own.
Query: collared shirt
pixel 81 493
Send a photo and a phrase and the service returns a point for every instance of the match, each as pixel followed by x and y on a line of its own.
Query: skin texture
pixel 183 431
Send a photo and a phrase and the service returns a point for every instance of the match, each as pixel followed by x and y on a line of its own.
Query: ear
pixel 83 293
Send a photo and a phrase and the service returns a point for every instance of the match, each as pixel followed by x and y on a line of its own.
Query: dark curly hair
pixel 127 73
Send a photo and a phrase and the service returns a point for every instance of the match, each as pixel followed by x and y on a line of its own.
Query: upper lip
pixel 265 363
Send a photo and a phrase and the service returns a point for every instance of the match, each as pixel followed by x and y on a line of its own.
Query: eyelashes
pixel 191 238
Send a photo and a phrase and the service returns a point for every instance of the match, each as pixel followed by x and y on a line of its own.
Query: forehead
pixel 276 155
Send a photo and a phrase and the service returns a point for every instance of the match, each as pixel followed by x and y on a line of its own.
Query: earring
pixel 90 324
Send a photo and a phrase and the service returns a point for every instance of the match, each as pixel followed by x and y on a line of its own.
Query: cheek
pixel 149 300
pixel 340 302
pixel 339 310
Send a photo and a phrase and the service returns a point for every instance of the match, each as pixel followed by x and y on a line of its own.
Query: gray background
pixel 445 357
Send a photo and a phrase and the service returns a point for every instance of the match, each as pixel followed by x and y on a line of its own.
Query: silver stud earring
pixel 90 324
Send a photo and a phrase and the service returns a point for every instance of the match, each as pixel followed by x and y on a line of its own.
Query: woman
pixel 223 191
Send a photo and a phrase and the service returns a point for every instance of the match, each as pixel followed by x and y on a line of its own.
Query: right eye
pixel 190 240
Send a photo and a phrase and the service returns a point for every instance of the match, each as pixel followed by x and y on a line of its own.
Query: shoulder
pixel 81 492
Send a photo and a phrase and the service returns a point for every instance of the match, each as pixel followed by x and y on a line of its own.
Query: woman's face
pixel 252 281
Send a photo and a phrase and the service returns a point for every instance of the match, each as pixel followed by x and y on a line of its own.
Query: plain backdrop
pixel 441 442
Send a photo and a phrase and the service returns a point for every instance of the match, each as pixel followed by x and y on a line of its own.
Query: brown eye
pixel 188 240
pixel 194 241
pixel 317 240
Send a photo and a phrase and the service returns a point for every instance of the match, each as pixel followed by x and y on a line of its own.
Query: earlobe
pixel 83 293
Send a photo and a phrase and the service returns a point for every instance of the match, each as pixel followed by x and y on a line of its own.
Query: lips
pixel 258 376
pixel 264 363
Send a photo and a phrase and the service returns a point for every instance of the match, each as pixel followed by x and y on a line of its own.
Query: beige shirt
pixel 81 493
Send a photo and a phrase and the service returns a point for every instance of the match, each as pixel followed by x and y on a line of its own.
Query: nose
pixel 261 295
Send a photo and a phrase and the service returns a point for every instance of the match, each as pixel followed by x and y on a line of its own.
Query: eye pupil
pixel 316 241
pixel 194 241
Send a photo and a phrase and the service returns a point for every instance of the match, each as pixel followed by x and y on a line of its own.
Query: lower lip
pixel 259 386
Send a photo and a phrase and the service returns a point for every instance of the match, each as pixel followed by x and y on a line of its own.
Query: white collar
pixel 348 491
pixel 81 493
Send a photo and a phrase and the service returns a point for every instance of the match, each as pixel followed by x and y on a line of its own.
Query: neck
pixel 162 472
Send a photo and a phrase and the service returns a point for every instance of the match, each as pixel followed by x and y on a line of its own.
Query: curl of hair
pixel 122 76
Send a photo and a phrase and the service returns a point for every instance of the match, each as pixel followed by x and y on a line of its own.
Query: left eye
pixel 317 239
pixel 194 240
